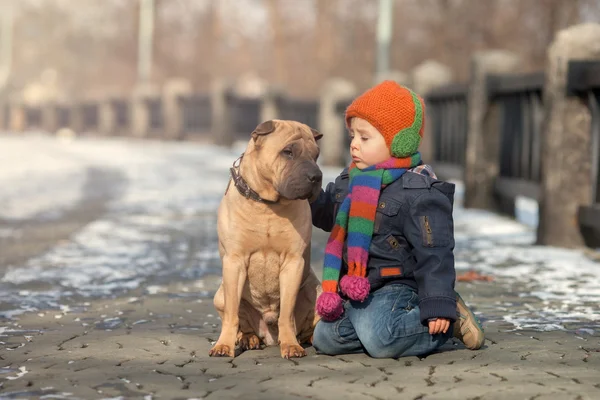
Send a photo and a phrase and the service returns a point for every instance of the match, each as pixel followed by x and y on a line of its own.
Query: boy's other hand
pixel 439 325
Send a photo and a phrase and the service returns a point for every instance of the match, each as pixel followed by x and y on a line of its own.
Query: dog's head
pixel 285 155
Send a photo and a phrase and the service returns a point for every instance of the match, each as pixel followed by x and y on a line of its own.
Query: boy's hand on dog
pixel 439 325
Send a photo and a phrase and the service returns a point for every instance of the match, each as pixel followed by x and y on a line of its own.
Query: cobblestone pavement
pixel 156 346
pixel 150 339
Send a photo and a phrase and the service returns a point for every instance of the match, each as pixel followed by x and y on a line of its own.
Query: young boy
pixel 391 242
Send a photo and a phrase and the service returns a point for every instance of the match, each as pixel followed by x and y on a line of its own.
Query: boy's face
pixel 368 145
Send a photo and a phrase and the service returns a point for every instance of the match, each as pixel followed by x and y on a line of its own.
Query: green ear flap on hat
pixel 406 142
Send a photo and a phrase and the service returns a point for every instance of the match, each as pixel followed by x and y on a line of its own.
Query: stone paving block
pixel 224 383
pixel 309 382
pixel 529 390
pixel 156 357
pixel 572 378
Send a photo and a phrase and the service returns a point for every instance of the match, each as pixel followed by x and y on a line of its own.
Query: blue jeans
pixel 386 325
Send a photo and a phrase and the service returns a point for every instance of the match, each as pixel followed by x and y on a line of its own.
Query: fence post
pixel 566 141
pixel 393 75
pixel 4 110
pixel 269 103
pixel 17 116
pixel 424 78
pixel 107 120
pixel 483 134
pixel 331 122
pixel 140 115
pixel 173 89
pixel 220 119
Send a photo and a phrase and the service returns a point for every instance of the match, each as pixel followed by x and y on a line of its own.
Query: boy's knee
pixel 377 349
pixel 414 345
pixel 333 338
pixel 322 336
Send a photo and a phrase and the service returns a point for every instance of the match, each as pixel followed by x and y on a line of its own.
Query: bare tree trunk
pixel 325 37
pixel 216 38
pixel 278 41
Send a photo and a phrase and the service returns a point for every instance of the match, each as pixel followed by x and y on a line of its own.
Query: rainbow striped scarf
pixel 354 223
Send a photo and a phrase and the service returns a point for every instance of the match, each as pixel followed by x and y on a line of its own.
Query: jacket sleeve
pixel 322 208
pixel 429 229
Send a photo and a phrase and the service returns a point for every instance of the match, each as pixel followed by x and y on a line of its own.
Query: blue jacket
pixel 413 238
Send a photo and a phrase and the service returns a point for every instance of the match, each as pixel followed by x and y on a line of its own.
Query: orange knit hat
pixel 396 112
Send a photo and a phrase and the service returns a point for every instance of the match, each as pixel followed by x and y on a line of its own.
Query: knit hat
pixel 396 112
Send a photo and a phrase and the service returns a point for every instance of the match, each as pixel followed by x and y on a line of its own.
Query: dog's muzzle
pixel 303 182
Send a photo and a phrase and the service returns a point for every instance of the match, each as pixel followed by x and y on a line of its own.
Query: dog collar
pixel 242 185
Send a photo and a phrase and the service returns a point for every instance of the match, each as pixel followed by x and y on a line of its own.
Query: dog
pixel 264 226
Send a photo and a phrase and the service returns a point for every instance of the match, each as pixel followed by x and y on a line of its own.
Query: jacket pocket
pixel 404 320
pixel 394 264
pixel 406 302
pixel 435 230
pixel 386 210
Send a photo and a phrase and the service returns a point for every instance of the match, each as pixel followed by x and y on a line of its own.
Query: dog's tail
pixel 270 317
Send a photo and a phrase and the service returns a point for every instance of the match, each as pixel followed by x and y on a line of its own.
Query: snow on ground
pixel 162 227
pixel 171 194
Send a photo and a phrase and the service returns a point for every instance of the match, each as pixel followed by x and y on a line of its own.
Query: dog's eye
pixel 288 153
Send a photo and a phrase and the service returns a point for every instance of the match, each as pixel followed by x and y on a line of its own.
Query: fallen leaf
pixel 471 276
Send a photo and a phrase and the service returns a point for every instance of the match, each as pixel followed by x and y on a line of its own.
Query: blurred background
pixel 64 48
pixel 89 209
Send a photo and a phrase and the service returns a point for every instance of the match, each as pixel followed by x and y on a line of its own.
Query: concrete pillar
pixel 424 78
pixel 17 117
pixel 331 121
pixel 173 89
pixel 221 120
pixel 106 117
pixel 483 135
pixel 269 106
pixel 4 117
pixel 140 114
pixel 393 75
pixel 566 140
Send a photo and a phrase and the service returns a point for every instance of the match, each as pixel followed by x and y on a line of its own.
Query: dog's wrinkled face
pixel 286 155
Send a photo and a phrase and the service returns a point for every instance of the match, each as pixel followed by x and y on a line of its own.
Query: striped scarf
pixel 354 223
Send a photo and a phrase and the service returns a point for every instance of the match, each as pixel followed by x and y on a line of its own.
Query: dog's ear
pixel 263 129
pixel 316 134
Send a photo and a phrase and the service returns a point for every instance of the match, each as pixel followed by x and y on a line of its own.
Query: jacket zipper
pixel 428 231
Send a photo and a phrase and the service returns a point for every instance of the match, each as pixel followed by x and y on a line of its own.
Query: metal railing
pixel 301 110
pixel 155 114
pixel 340 109
pixel 33 117
pixel 90 116
pixel 122 112
pixel 245 114
pixel 519 98
pixel 196 113
pixel 63 116
pixel 448 119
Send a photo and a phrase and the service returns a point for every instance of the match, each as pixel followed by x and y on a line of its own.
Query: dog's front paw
pixel 222 350
pixel 292 350
pixel 249 341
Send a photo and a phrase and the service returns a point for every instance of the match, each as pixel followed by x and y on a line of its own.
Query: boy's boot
pixel 467 328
